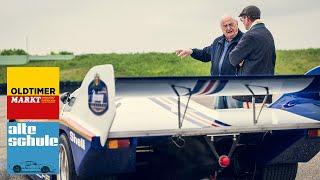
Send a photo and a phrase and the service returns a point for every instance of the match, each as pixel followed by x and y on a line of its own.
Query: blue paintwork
pixel 301 103
pixel 307 107
pixel 221 123
pixel 288 146
pixel 291 144
pixel 96 160
pixel 314 71
pixel 103 161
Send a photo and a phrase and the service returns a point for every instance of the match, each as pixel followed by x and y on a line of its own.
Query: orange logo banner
pixel 33 92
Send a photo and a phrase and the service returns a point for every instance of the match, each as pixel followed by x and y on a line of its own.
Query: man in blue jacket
pixel 218 54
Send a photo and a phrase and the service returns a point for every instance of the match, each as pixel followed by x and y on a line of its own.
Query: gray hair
pixel 227 16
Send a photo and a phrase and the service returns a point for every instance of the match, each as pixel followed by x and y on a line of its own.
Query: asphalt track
pixel 306 171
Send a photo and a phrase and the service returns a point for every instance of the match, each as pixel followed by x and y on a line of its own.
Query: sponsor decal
pixel 289 104
pixel 33 92
pixel 98 96
pixel 77 141
pixel 33 147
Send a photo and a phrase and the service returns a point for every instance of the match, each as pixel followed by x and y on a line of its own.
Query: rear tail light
pixel 313 133
pixel 224 161
pixel 118 143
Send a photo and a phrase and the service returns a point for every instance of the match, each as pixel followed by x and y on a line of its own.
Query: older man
pixel 218 54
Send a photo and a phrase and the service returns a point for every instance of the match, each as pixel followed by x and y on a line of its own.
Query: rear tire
pixel 279 172
pixel 67 169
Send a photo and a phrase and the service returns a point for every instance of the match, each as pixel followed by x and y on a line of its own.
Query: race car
pixel 151 128
pixel 31 167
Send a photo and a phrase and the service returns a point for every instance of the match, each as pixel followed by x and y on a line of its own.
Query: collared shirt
pixel 257 21
pixel 226 45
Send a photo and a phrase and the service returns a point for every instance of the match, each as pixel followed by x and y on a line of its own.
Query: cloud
pixel 145 25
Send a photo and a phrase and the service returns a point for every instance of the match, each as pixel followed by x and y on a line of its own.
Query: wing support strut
pixel 179 141
pixel 253 100
pixel 175 89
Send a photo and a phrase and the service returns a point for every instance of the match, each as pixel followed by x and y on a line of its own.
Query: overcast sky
pixel 95 26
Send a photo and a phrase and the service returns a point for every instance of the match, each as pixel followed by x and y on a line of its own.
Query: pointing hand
pixel 183 52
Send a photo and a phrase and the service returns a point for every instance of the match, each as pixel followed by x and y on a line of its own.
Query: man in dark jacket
pixel 255 53
pixel 218 54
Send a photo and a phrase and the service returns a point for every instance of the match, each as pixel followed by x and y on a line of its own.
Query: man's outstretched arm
pixel 203 55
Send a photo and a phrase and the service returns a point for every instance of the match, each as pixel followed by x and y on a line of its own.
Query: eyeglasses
pixel 242 18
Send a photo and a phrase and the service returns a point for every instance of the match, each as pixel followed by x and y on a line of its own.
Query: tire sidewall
pixel 64 141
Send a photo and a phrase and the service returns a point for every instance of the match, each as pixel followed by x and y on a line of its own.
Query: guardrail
pixel 65 86
pixel 13 60
pixel 51 57
pixel 24 59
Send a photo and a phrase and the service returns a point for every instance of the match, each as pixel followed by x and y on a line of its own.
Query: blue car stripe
pixel 199 85
pixel 219 85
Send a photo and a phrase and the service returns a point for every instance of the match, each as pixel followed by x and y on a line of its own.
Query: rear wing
pixel 94 106
pixel 216 86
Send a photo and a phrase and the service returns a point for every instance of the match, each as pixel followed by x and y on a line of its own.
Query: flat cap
pixel 252 11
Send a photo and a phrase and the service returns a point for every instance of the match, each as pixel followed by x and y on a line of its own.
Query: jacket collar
pixel 257 24
pixel 235 39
